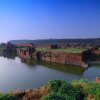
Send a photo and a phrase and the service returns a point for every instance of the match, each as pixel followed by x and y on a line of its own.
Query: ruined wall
pixel 64 57
pixel 23 53
pixel 52 56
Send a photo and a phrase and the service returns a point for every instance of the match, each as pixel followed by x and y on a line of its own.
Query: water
pixel 25 74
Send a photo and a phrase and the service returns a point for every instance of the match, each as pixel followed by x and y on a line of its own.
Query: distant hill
pixel 57 41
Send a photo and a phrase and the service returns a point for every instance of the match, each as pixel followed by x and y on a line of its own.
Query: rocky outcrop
pixel 64 58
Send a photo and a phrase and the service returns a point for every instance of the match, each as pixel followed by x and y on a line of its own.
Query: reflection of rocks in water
pixel 9 55
pixel 1 52
pixel 28 61
pixel 65 68
pixel 60 67
pixel 94 63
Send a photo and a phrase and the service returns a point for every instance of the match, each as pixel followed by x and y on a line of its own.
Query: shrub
pixel 98 94
pixel 84 81
pixel 53 96
pixel 76 92
pixel 56 84
pixel 7 97
pixel 92 87
pixel 64 89
pixel 70 98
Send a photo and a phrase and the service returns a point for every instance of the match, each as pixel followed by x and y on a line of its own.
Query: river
pixel 24 74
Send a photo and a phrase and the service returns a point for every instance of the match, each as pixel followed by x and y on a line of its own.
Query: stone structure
pixel 57 57
pixel 64 58
pixel 28 51
pixel 25 50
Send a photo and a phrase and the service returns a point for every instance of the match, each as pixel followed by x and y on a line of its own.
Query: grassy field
pixel 72 50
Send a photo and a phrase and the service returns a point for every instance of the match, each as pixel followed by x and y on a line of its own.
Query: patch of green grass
pixel 70 50
pixel 42 49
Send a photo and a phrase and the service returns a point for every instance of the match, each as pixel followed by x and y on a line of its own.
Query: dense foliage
pixel 76 90
pixel 7 97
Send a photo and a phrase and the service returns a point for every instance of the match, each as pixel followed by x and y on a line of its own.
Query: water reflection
pixel 24 73
pixel 56 66
pixel 60 67
pixel 9 55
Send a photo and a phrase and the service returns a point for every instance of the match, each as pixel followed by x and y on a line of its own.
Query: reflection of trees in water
pixel 29 62
pixel 65 68
pixel 95 63
pixel 9 51
pixel 8 54
pixel 60 67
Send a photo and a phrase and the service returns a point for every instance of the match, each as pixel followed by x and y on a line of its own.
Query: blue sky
pixel 43 19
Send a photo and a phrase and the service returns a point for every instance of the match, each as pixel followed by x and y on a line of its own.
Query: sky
pixel 49 19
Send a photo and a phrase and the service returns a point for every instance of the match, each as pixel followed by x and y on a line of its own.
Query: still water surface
pixel 21 74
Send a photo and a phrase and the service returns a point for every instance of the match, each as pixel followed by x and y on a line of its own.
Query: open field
pixel 70 50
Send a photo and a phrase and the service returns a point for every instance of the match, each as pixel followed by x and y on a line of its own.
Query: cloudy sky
pixel 43 19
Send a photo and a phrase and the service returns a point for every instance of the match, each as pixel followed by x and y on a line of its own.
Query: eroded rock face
pixel 97 80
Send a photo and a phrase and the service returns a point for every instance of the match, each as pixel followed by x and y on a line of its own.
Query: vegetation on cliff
pixel 59 90
pixel 69 50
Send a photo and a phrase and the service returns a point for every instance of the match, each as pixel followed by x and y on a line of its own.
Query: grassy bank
pixel 70 50
pixel 58 90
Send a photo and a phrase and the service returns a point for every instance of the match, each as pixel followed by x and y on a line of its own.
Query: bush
pixel 77 93
pixel 7 97
pixel 70 98
pixel 98 94
pixel 64 89
pixel 53 96
pixel 84 81
pixel 56 84
pixel 92 87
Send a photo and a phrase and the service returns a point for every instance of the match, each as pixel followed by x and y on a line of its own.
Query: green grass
pixel 82 89
pixel 71 50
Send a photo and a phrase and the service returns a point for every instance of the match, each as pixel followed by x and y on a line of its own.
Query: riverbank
pixel 58 90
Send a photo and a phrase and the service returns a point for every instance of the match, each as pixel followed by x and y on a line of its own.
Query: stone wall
pixel 23 53
pixel 64 57
pixel 52 56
